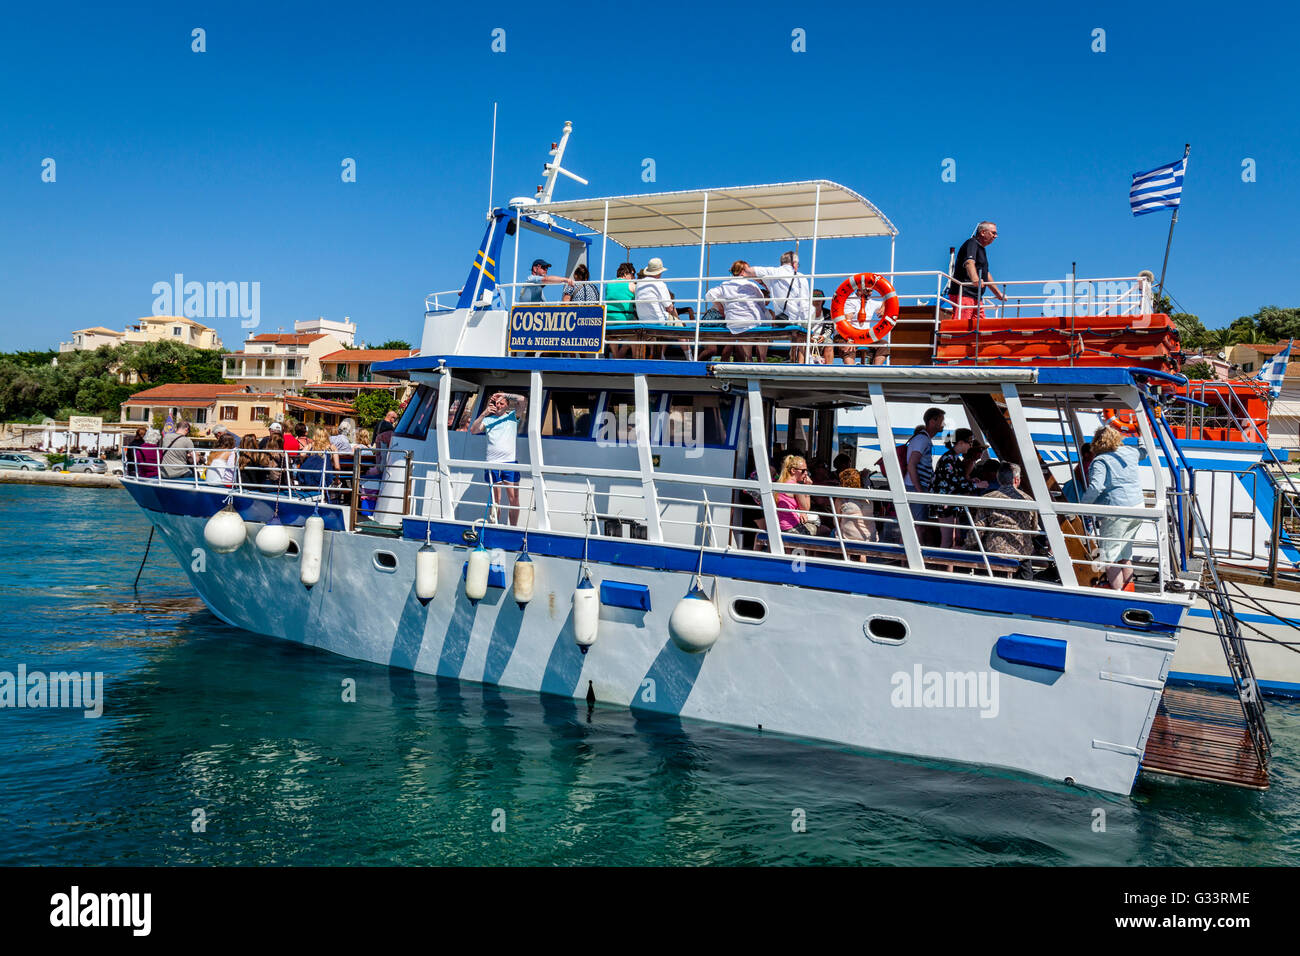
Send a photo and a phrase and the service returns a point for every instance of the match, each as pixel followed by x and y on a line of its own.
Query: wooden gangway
pixel 1203 735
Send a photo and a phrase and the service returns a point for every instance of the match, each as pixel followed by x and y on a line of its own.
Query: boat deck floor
pixel 1202 735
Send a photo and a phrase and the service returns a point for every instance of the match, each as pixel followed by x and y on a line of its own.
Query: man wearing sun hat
pixel 653 303
pixel 531 290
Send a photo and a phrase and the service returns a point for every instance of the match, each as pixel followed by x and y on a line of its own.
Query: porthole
pixel 884 629
pixel 385 561
pixel 748 610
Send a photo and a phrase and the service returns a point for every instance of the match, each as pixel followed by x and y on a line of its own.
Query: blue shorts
pixel 499 477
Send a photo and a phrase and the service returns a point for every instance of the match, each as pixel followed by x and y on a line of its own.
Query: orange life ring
pixel 1123 421
pixel 863 284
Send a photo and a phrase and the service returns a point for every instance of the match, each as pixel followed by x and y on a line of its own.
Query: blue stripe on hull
pixel 1270 688
pixel 1003 597
pixel 204 504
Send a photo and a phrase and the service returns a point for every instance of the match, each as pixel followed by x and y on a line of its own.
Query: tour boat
pixel 628 547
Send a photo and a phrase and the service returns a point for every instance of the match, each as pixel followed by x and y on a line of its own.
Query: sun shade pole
pixel 699 292
pixel 812 272
pixel 604 239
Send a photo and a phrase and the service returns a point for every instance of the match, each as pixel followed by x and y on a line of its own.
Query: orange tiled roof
pixel 368 355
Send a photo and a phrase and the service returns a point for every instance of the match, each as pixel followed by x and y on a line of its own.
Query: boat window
pixel 460 411
pixel 419 413
pixel 569 414
pixel 698 419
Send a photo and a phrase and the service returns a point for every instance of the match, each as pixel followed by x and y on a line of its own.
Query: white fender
pixel 273 539
pixel 313 544
pixel 694 624
pixel 225 531
pixel 426 574
pixel 525 574
pixel 586 614
pixel 476 576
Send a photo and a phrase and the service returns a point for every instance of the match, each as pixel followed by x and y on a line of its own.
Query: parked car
pixel 92 466
pixel 21 462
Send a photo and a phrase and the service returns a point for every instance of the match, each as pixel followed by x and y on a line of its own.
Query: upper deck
pixel 788 316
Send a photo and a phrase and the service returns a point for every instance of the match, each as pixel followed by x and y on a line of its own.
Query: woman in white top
pixel 741 301
pixel 653 303
pixel 221 462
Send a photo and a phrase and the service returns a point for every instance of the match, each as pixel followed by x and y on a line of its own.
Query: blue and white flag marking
pixel 1273 371
pixel 1157 188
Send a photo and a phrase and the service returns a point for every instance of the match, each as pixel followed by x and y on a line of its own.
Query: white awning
pixel 779 212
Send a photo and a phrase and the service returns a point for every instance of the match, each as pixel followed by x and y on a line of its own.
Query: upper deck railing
pixel 794 325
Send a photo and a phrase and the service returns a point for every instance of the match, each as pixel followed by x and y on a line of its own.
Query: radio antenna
pixel 492 170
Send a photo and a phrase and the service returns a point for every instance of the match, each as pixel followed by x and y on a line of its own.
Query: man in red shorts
pixel 971 274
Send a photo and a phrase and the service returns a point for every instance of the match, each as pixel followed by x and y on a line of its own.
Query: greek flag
pixel 1157 188
pixel 1274 370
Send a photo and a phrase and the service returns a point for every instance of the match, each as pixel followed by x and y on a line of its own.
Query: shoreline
pixel 78 480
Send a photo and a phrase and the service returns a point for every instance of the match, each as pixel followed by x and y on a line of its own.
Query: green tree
pixel 1191 332
pixel 1199 371
pixel 395 344
pixel 373 405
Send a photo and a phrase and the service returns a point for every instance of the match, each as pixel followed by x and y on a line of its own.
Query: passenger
pixel 1113 479
pixel 221 462
pixel 620 305
pixel 791 302
pixel 372 478
pixel 178 458
pixel 250 464
pixel 275 428
pixel 918 475
pixel 531 289
pixel 500 422
pixel 854 514
pixel 821 504
pixel 387 423
pixel 146 455
pixel 275 467
pixel 740 302
pixel 823 331
pixel 129 452
pixel 653 303
pixel 793 510
pixel 952 476
pixel 313 470
pixel 840 462
pixel 1007 532
pixel 341 442
pixel 971 274
pixel 581 291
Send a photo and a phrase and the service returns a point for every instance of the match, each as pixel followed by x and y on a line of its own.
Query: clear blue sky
pixel 225 165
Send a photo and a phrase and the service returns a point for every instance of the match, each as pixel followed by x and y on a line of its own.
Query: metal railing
pixel 687 326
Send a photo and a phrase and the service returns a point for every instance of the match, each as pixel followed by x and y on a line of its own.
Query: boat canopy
pixel 729 214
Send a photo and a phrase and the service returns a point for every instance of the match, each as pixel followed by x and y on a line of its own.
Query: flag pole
pixel 1187 148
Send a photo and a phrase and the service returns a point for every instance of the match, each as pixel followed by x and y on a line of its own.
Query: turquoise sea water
pixel 254 733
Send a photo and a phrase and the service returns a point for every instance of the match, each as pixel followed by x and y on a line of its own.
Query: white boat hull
pixel 807 670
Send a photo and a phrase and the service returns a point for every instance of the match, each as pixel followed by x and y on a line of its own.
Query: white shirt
pixel 501 431
pixel 791 296
pixel 741 303
pixel 653 301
